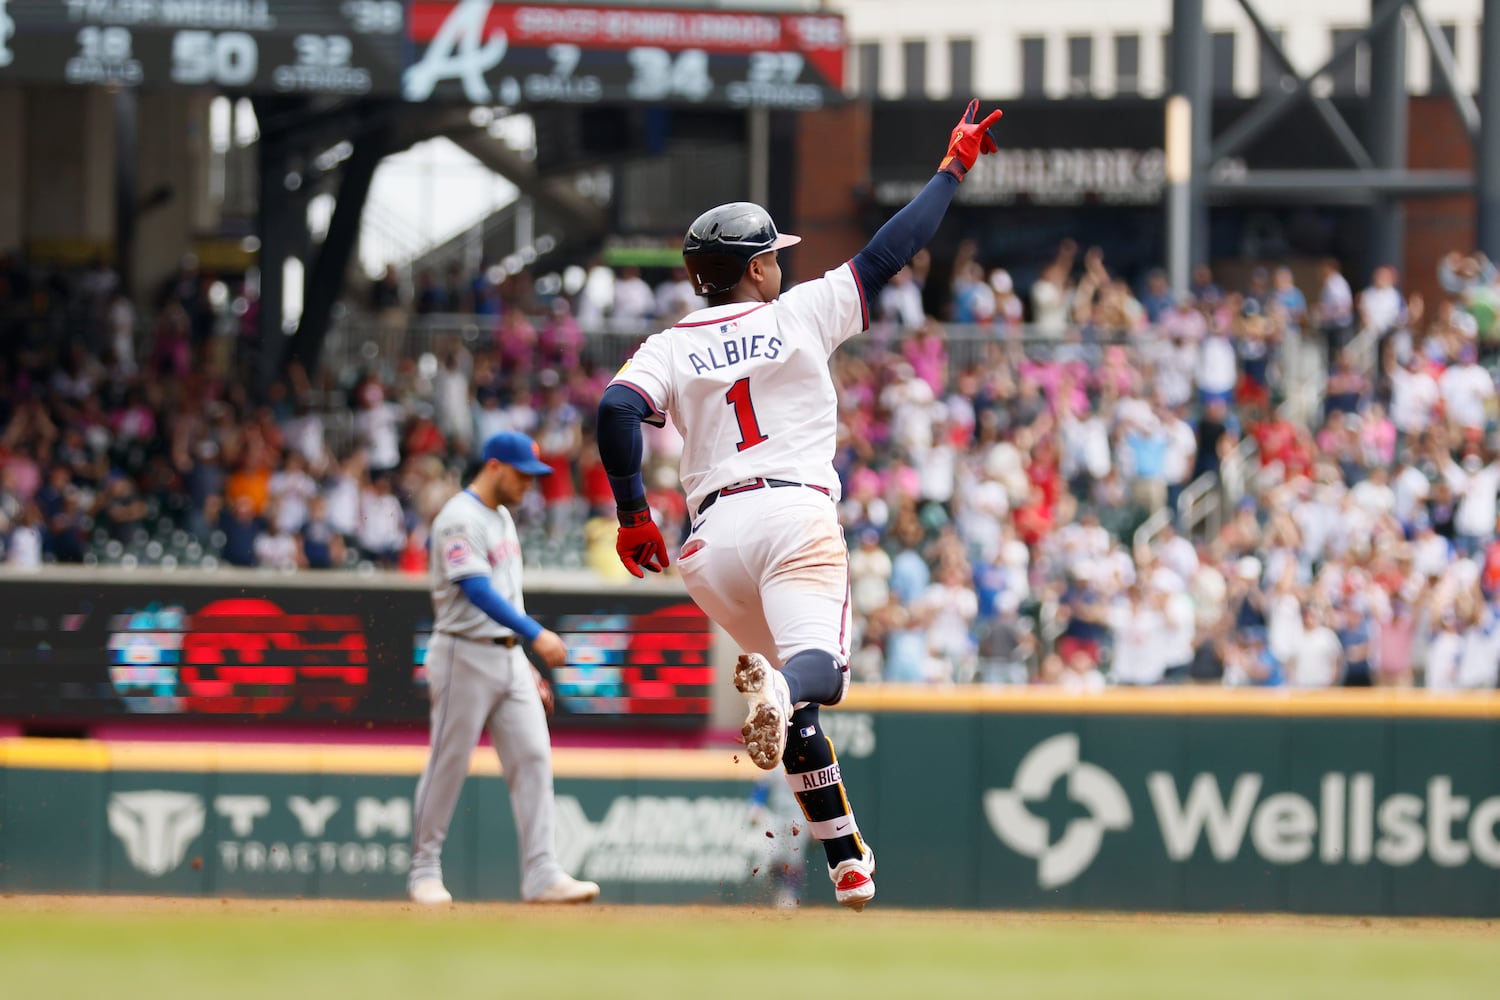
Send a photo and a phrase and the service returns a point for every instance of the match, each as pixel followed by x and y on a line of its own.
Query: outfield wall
pixel 1335 802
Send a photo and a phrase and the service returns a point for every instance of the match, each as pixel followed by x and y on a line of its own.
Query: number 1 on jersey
pixel 738 397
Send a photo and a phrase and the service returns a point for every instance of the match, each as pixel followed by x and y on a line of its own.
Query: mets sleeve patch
pixel 457 552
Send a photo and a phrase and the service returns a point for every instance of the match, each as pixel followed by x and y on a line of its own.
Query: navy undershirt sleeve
pixel 621 412
pixel 483 595
pixel 908 231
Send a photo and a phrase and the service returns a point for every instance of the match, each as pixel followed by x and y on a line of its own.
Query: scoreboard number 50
pixel 227 59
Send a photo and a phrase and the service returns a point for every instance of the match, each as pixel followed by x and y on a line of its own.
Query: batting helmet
pixel 722 241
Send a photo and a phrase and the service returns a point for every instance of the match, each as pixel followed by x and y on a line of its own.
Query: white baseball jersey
pixel 748 387
pixel 471 539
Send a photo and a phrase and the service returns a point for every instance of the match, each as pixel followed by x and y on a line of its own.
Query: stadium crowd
pixel 998 455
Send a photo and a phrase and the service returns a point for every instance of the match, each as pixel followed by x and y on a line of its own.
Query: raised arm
pixel 909 229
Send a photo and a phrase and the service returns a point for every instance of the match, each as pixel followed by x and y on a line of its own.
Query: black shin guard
pixel 812 770
pixel 816 677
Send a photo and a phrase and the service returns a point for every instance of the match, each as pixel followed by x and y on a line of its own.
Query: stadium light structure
pixel 1179 155
pixel 1376 175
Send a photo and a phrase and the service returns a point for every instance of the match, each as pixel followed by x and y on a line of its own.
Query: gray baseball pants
pixel 474 686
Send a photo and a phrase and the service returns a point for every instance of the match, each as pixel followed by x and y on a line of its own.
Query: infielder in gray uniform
pixel 479 677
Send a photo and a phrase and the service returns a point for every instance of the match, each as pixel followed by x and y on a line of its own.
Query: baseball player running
pixel 478 678
pixel 747 384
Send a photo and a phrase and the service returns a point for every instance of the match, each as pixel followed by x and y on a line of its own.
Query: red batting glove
pixel 970 140
pixel 639 543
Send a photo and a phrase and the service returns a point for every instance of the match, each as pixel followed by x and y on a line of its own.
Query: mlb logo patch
pixel 728 328
pixel 457 552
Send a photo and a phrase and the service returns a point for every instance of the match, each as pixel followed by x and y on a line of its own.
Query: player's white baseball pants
pixel 476 686
pixel 770 566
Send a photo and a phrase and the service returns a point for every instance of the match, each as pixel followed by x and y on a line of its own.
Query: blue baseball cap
pixel 517 451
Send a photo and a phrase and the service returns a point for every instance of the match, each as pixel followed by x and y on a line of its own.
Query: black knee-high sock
pixel 815 676
pixel 812 770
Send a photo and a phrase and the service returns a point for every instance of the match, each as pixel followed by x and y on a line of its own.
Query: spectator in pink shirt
pixel 1378 437
pixel 928 356
pixel 1116 373
pixel 561 340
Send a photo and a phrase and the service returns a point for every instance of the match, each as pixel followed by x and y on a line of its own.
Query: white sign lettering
pixel 157 828
pixel 313 816
pixel 1345 824
pixel 252 15
pixel 1061 177
pixel 323 66
pixel 104 56
pixel 229 59
pixel 371 816
pixel 650 839
pixel 242 811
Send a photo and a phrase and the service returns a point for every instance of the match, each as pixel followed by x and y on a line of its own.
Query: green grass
pixel 164 950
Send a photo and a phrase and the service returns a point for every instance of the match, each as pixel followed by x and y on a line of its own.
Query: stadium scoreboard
pixel 346 47
pixel 473 51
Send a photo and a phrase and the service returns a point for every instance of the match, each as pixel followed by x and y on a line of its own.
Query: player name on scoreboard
pixel 473 51
pixel 253 14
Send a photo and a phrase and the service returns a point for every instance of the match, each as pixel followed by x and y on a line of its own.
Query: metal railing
pixel 358 341
pixel 1202 504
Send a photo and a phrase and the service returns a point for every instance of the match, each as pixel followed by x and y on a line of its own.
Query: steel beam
pixel 1265 113
pixel 275 244
pixel 326 270
pixel 1362 183
pixel 127 143
pixel 1387 128
pixel 1337 124
pixel 1442 57
pixel 1487 190
pixel 1190 79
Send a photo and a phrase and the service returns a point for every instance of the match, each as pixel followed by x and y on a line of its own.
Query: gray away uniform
pixel 476 684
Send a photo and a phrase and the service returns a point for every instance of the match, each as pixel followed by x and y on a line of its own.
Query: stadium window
pixel 915 56
pixel 1438 85
pixel 961 66
pixel 1033 67
pixel 1127 64
pixel 1080 64
pixel 1270 67
pixel 869 69
pixel 1223 56
pixel 1349 77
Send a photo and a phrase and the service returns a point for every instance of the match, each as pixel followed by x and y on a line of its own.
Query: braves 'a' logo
pixel 463 50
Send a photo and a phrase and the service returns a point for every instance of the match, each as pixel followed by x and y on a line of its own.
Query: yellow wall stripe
pixel 1368 703
pixel 724 764
pixel 257 758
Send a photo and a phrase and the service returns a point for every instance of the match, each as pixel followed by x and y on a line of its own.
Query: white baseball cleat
pixel 568 890
pixel 854 881
pixel 770 709
pixel 429 892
